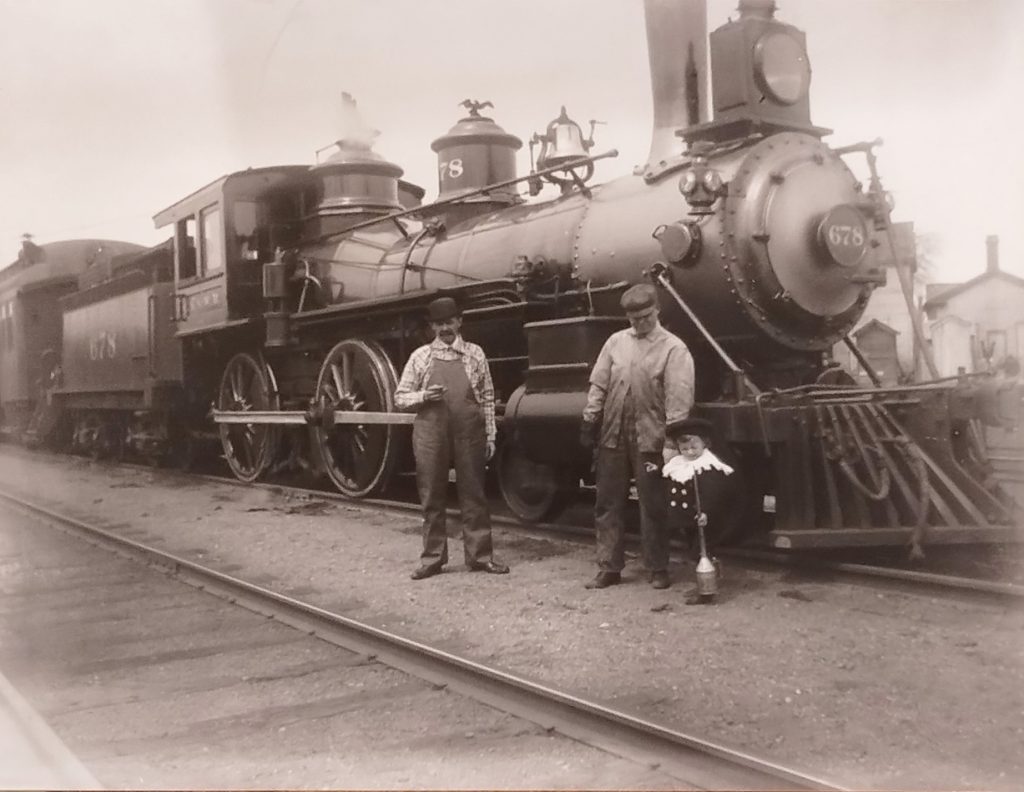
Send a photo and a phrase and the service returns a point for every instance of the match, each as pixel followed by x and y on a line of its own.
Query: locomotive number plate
pixel 844 234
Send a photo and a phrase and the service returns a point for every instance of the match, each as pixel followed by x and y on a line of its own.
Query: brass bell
pixel 562 142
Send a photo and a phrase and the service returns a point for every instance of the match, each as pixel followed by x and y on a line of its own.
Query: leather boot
pixel 604 579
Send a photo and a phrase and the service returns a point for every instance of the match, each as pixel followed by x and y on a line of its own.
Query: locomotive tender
pixel 30 317
pixel 296 294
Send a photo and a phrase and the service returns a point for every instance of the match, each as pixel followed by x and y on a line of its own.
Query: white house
pixel 976 325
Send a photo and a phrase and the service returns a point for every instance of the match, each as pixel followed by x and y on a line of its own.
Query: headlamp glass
pixel 781 68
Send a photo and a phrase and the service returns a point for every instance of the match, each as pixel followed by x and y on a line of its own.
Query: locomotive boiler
pixel 299 292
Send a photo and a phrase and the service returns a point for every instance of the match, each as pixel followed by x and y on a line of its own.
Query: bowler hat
pixel 700 427
pixel 442 309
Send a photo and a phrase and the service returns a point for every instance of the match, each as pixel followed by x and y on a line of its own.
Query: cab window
pixel 248 243
pixel 185 244
pixel 213 240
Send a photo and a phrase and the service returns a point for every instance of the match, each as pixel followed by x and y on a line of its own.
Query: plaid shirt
pixel 416 374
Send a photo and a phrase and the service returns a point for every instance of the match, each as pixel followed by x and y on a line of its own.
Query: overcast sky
pixel 111 110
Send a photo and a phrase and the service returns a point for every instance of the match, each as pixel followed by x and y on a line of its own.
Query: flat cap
pixel 442 309
pixel 639 297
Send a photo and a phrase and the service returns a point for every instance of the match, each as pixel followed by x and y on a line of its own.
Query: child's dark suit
pixel 715 489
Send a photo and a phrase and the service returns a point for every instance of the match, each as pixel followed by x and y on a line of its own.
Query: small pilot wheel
pixel 88 435
pixel 245 387
pixel 835 375
pixel 356 375
pixel 111 441
pixel 181 452
pixel 533 491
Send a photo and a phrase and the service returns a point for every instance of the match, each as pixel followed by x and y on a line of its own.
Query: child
pixel 698 483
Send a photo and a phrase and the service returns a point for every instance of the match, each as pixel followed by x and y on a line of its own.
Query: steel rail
pixel 971 586
pixel 697 762
pixel 931 579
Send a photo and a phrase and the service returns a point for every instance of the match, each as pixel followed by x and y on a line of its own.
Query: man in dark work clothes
pixel 448 383
pixel 643 377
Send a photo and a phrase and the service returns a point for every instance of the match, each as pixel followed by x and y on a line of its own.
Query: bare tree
pixel 927 246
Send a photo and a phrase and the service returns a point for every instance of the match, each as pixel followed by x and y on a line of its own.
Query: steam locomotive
pixel 278 314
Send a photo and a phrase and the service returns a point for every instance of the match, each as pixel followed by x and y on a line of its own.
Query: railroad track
pixel 929 580
pixel 807 562
pixel 693 761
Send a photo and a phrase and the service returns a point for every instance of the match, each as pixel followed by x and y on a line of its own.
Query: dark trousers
pixel 447 432
pixel 615 467
pixel 718 496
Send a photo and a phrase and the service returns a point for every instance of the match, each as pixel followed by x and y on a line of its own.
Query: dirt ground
pixel 154 685
pixel 867 686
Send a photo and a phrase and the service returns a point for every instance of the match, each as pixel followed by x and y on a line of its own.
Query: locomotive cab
pixel 221 234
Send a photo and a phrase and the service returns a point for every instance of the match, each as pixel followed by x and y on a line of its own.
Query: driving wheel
pixel 359 458
pixel 245 387
pixel 533 491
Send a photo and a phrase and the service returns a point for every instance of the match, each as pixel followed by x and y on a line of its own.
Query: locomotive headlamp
pixel 781 69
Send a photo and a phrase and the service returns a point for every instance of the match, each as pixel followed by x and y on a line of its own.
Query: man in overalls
pixel 449 385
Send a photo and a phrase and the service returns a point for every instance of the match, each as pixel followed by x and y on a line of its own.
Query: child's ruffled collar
pixel 681 469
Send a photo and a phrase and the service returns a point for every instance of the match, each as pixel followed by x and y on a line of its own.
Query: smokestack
pixel 30 253
pixel 677 46
pixel 763 9
pixel 992 254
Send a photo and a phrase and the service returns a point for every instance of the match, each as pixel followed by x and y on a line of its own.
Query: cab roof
pixel 250 183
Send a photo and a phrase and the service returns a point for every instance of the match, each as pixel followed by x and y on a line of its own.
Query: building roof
pixel 941 297
pixel 270 176
pixel 933 290
pixel 875 324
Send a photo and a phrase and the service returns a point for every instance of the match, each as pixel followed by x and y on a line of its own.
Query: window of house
pixel 213 240
pixel 995 345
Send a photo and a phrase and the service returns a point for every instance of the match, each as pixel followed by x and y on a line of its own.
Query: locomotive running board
pixel 303 418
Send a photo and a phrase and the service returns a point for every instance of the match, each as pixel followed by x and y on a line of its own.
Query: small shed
pixel 877 342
